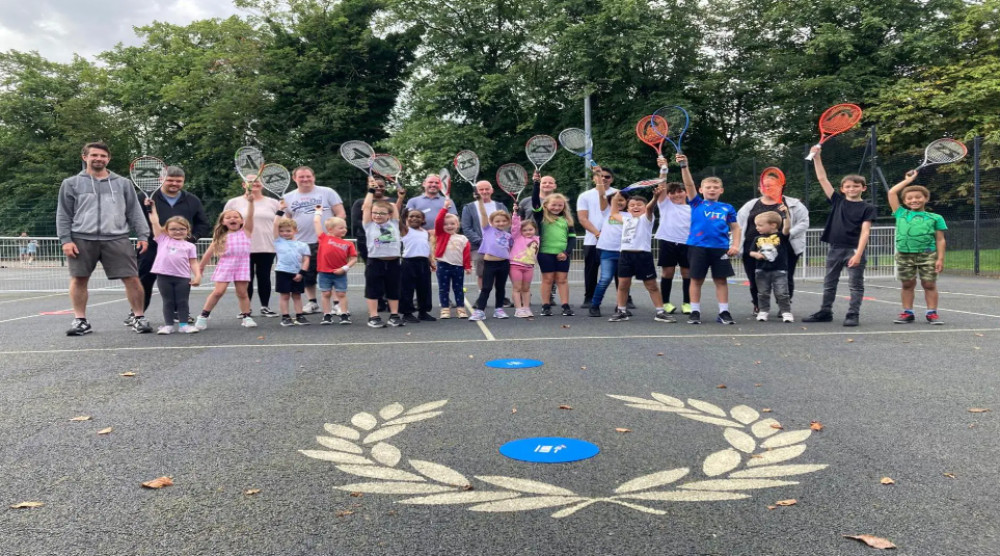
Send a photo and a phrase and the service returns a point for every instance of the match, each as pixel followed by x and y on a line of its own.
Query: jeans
pixel 750 267
pixel 778 281
pixel 450 276
pixel 609 268
pixel 836 260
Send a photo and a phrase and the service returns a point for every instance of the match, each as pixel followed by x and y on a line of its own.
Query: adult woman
pixel 261 242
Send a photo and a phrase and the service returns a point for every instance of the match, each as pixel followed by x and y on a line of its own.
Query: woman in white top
pixel 261 241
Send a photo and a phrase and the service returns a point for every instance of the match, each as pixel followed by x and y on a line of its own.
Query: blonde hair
pixel 548 217
pixel 712 179
pixel 218 244
pixel 458 221
pixel 493 215
pixel 334 221
pixel 178 220
pixel 770 217
pixel 286 222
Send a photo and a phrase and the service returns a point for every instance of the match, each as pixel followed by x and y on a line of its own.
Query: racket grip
pixel 811 155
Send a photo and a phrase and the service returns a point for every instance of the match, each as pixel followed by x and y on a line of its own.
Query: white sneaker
pixel 787 317
pixel 336 308
pixel 310 308
pixel 164 330
pixel 762 316
pixel 201 322
pixel 248 323
pixel 187 329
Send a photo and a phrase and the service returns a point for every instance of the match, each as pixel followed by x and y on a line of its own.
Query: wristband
pixel 279 212
pixel 345 268
pixel 683 165
pixel 371 190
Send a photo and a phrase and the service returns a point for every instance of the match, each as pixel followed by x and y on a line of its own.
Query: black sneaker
pixel 408 317
pixel 851 319
pixel 345 318
pixel 546 310
pixel 426 317
pixel 694 317
pixel 265 312
pixel 394 320
pixel 629 304
pixel 79 328
pixel 506 303
pixel 933 318
pixel 619 316
pixel 141 326
pixel 287 321
pixel 594 311
pixel 327 319
pixel 130 319
pixel 725 318
pixel 376 322
pixel 587 302
pixel 662 316
pixel 300 320
pixel 905 318
pixel 567 311
pixel 819 316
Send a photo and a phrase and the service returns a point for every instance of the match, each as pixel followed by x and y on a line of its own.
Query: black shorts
pixel 549 263
pixel 382 279
pixel 636 264
pixel 309 277
pixel 284 282
pixel 673 254
pixel 703 258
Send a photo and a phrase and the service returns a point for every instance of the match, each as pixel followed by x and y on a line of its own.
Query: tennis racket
pixel 540 149
pixel 770 179
pixel 512 178
pixel 643 184
pixel 836 120
pixel 249 161
pixel 147 173
pixel 445 176
pixel 943 151
pixel 677 125
pixel 358 154
pixel 386 166
pixel 467 165
pixel 652 130
pixel 575 140
pixel 275 178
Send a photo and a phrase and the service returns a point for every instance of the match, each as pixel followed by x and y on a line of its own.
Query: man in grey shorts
pixel 96 209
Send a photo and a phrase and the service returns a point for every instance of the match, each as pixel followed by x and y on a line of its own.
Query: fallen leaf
pixel 977 348
pixel 659 354
pixel 872 541
pixel 737 344
pixel 789 502
pixel 128 374
pixel 777 426
pixel 758 385
pixel 260 337
pixel 22 505
pixel 978 409
pixel 772 507
pixel 979 335
pixel 755 456
pixel 565 326
pixel 513 410
pixel 766 410
pixel 950 475
pixel 256 361
pixel 467 488
pixel 815 425
pixel 887 481
pixel 81 418
pixel 583 368
pixel 251 491
pixel 564 406
pixel 756 362
pixel 472 357
pixel 721 386
pixel 159 482
pixel 343 513
pixel 622 430
pixel 804 328
pixel 850 340
pixel 409 333
pixel 106 431
pixel 357 495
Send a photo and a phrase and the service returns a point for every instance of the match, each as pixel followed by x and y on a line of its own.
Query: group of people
pixel 302 238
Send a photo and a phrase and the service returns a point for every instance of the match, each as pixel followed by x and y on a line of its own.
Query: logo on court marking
pixel 755 460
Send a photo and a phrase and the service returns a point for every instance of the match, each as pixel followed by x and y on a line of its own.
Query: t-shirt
pixel 675 221
pixel 710 222
pixel 611 233
pixel 430 207
pixel 843 226
pixel 524 250
pixel 555 236
pixel 916 230
pixel 637 232
pixel 289 254
pixel 416 243
pixel 264 209
pixel 173 256
pixel 750 234
pixel 774 247
pixel 333 253
pixel 302 207
pixel 496 243
pixel 590 201
pixel 383 239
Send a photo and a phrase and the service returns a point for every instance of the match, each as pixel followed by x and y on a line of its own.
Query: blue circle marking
pixel 514 363
pixel 549 449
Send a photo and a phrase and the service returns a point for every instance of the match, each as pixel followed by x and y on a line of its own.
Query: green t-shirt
pixel 915 230
pixel 554 236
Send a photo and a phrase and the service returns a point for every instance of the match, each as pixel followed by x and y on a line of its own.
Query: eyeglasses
pixel 380 214
pixel 177 230
pixel 607 176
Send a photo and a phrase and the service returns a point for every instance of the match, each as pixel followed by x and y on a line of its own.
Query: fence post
pixel 874 165
pixel 805 173
pixel 976 145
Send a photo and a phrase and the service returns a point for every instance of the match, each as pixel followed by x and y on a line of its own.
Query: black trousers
pixel 414 277
pixel 495 274
pixel 260 268
pixel 591 270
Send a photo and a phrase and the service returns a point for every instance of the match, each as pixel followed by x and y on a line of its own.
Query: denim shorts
pixel 329 281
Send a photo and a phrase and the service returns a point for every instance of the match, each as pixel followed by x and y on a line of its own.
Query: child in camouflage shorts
pixel 920 246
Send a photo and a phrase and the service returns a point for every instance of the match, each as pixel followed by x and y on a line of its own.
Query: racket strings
pixel 358 154
pixel 386 165
pixel 840 118
pixel 944 151
pixel 275 178
pixel 540 149
pixel 652 130
pixel 467 165
pixel 574 140
pixel 512 178
pixel 147 173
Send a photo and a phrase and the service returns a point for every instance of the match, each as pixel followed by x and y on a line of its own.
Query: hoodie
pixel 98 209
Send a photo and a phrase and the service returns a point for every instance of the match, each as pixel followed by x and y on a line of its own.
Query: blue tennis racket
pixel 575 140
pixel 677 125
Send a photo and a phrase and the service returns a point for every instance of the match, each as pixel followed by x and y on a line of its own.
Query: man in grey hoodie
pixel 96 209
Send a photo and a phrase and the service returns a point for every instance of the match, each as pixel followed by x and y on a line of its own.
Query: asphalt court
pixel 230 410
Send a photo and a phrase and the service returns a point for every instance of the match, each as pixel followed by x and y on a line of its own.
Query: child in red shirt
pixel 334 258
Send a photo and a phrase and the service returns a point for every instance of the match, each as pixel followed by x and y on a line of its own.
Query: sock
pixel 907 311
pixel 723 307
pixel 931 311
pixel 299 315
pixel 686 284
pixel 665 285
pixel 286 316
pixel 244 315
pixel 206 314
pixel 312 300
pixel 696 307
pixel 621 309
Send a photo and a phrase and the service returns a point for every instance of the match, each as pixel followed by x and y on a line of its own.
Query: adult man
pixel 301 206
pixel 431 202
pixel 95 211
pixel 472 228
pixel 170 201
pixel 547 186
pixel 588 212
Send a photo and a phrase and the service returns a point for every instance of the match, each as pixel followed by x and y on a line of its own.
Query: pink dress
pixel 234 264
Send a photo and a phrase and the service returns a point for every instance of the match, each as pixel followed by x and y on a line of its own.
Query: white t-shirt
pixel 302 207
pixel 416 243
pixel 383 239
pixel 590 201
pixel 611 234
pixel 262 238
pixel 637 233
pixel 675 221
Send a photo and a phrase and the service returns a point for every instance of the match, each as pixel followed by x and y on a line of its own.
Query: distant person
pixel 472 228
pixel 357 222
pixel 231 244
pixel 451 249
pixel 28 249
pixel 261 243
pixel 336 257
pixel 770 250
pixel 430 202
pixel 176 259
pixel 591 217
pixel 96 208
pixel 291 264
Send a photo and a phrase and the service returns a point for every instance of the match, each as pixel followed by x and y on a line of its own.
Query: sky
pixel 59 28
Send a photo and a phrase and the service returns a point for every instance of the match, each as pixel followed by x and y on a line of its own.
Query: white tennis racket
pixel 467 165
pixel 445 176
pixel 943 151
pixel 275 178
pixel 541 149
pixel 147 174
pixel 512 178
pixel 358 154
pixel 575 140
pixel 249 161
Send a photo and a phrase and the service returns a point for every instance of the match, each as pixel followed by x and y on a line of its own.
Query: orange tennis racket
pixel 652 130
pixel 836 120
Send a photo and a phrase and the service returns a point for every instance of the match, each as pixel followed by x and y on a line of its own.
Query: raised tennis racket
pixel 386 166
pixel 642 184
pixel 677 125
pixel 358 154
pixel 512 178
pixel 772 182
pixel 445 176
pixel 575 140
pixel 275 179
pixel 249 161
pixel 652 130
pixel 943 151
pixel 147 173
pixel 540 149
pixel 836 120
pixel 467 166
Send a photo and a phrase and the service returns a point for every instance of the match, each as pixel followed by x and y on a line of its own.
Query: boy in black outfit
pixel 770 249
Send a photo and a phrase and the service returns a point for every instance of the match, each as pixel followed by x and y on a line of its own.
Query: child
pixel 847 230
pixel 919 246
pixel 555 227
pixel 672 236
pixel 636 259
pixel 292 264
pixel 770 250
pixel 709 242
pixel 231 243
pixel 495 249
pixel 175 259
pixel 451 249
pixel 523 255
pixel 415 269
pixel 609 242
pixel 381 221
pixel 336 257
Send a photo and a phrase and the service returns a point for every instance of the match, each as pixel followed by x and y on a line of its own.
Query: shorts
pixel 638 264
pixel 309 276
pixel 382 279
pixel 521 273
pixel 703 258
pixel 911 265
pixel 477 261
pixel 673 254
pixel 117 256
pixel 329 281
pixel 284 282
pixel 548 263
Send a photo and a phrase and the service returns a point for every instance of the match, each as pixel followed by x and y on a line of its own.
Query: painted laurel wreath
pixel 753 461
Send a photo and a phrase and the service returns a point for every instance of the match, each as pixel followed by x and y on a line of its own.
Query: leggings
pixel 175 292
pixel 260 267
pixel 453 277
pixel 494 276
pixel 521 273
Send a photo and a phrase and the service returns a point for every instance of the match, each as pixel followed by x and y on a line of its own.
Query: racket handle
pixel 664 169
pixel 811 155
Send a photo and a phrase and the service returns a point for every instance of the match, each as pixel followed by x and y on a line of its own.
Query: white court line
pixel 731 336
pixel 942 292
pixel 31 298
pixel 482 325
pixel 915 306
pixel 88 306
